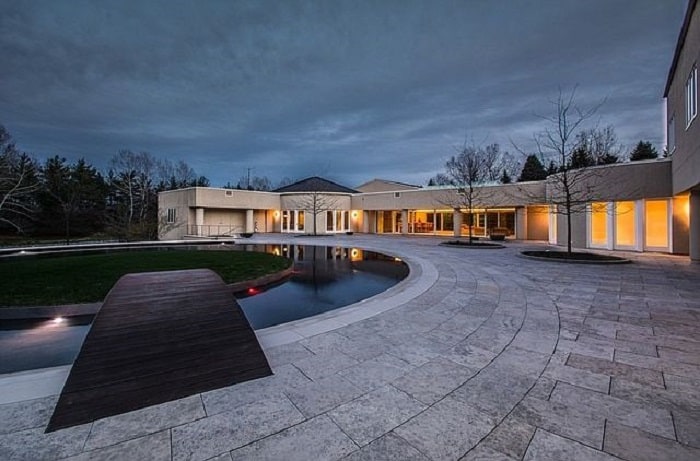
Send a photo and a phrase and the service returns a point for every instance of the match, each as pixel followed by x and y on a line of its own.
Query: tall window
pixel 691 96
pixel 656 223
pixel 599 224
pixel 171 216
pixel 624 224
pixel 338 220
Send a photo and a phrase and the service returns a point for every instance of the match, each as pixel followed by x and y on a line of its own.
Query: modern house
pixel 651 205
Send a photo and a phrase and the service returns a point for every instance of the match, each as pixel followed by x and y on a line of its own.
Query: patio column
pixel 457 220
pixel 404 222
pixel 521 223
pixel 199 221
pixel 694 225
pixel 249 222
pixel 365 222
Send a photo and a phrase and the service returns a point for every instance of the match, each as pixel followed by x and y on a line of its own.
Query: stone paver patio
pixel 478 355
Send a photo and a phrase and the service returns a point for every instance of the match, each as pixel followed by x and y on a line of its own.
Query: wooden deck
pixel 159 336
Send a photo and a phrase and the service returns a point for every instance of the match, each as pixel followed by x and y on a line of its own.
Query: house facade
pixel 651 205
pixel 682 124
pixel 631 207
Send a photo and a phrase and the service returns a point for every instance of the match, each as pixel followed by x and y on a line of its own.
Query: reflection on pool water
pixel 41 343
pixel 324 278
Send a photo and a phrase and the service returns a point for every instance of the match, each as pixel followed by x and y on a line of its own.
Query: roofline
pixel 389 181
pixel 679 44
pixel 346 194
pixel 280 191
pixel 215 188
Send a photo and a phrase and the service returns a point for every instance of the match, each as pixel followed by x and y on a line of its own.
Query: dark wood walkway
pixel 159 336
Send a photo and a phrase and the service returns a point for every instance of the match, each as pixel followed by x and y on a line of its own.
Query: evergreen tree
pixel 581 158
pixel 72 198
pixel 533 170
pixel 643 151
pixel 505 177
pixel 608 159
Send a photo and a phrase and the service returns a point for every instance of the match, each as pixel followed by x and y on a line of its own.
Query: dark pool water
pixel 324 278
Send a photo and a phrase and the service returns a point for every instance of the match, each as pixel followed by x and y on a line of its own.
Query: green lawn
pixel 87 278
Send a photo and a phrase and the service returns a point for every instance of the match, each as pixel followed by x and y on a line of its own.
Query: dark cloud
pixel 352 90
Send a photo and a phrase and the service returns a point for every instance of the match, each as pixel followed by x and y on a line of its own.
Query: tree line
pixel 591 147
pixel 58 198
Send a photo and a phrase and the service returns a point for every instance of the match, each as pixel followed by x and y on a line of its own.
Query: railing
pixel 214 230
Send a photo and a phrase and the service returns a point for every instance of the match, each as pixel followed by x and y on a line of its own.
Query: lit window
pixel 329 221
pixel 656 223
pixel 691 96
pixel 300 220
pixel 170 218
pixel 599 224
pixel 624 224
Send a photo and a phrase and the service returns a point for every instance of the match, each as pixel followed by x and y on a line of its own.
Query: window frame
pixel 691 97
pixel 171 215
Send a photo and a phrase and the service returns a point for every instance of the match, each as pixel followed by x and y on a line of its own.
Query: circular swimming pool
pixel 323 278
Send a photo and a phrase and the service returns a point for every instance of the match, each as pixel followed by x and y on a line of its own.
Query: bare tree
pixel 18 183
pixel 261 183
pixel 466 172
pixel 496 163
pixel 285 182
pixel 133 198
pixel 571 188
pixel 596 146
pixel 316 203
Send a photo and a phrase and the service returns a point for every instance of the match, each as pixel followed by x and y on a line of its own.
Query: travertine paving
pixel 479 355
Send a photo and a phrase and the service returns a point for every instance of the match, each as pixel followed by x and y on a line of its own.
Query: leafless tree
pixel 262 183
pixel 316 203
pixel 599 145
pixel 133 198
pixel 174 175
pixel 466 172
pixel 285 182
pixel 571 188
pixel 496 162
pixel 18 183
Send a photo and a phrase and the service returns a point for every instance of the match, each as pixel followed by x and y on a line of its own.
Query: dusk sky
pixel 349 90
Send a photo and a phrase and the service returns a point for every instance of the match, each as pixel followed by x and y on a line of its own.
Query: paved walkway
pixel 480 355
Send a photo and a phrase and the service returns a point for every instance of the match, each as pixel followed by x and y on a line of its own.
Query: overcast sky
pixel 350 90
